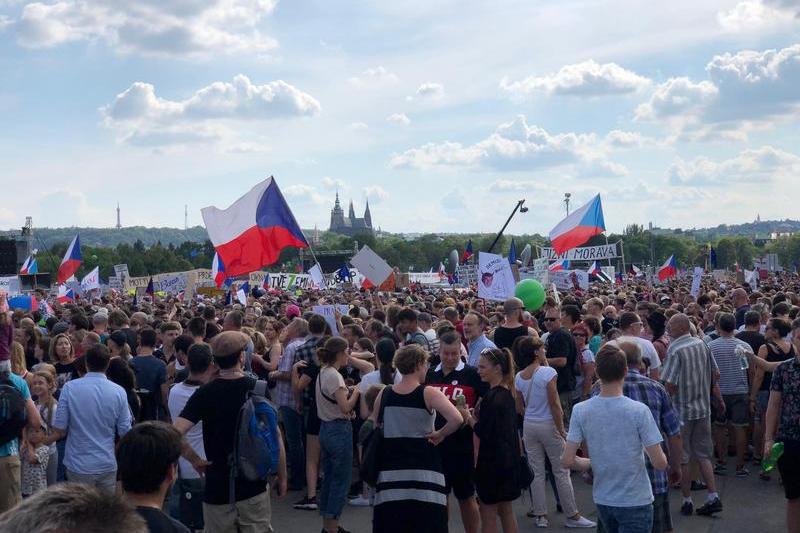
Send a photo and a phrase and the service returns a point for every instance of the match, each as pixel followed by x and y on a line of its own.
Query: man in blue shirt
pixel 10 494
pixel 474 327
pixel 616 430
pixel 91 411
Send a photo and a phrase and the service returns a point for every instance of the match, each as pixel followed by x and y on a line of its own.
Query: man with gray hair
pixel 689 377
pixel 639 387
pixel 73 508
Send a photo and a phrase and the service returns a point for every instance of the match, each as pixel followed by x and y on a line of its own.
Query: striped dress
pixel 410 495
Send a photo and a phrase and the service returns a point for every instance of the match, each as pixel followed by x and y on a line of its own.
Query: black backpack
pixel 13 411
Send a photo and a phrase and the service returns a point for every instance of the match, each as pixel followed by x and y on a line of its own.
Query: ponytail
pixel 505 361
pixel 333 347
pixel 385 353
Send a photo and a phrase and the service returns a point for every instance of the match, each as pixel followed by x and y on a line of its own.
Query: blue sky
pixel 442 113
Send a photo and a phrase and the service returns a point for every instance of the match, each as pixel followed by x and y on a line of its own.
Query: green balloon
pixel 531 293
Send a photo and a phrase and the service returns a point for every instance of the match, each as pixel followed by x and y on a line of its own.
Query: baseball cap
pixel 292 311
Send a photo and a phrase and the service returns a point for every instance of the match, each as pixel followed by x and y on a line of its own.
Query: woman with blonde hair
pixel 495 424
pixel 44 385
pixel 18 365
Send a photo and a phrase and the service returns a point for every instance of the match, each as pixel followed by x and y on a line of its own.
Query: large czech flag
pixel 251 233
pixel 668 269
pixel 71 262
pixel 578 227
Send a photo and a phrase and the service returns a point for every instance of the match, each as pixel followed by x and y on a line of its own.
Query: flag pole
pixel 622 252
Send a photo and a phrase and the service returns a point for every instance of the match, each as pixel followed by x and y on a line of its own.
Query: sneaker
pixel 742 472
pixel 361 501
pixel 687 509
pixel 581 522
pixel 699 485
pixel 721 469
pixel 710 507
pixel 306 504
pixel 541 521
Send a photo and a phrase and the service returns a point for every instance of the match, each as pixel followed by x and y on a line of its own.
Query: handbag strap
pixel 384 398
pixel 530 388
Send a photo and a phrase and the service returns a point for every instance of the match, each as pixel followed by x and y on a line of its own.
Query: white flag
pixel 371 265
pixel 92 280
pixel 317 279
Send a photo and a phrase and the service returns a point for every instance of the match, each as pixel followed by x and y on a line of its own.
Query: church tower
pixel 352 213
pixel 367 216
pixel 337 214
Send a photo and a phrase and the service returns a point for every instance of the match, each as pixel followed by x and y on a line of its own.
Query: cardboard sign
pixel 329 313
pixel 371 265
pixel 9 285
pixel 569 280
pixel 495 278
pixel 696 279
pixel 173 283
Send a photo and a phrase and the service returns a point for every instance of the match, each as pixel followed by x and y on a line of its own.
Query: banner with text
pixel 587 253
pixel 566 280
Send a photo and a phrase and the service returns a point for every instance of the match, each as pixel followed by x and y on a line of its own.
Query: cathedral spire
pixel 367 216
pixel 352 213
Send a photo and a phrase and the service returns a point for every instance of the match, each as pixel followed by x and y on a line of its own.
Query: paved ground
pixel 750 505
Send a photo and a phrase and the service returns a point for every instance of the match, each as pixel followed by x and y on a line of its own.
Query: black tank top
pixel 775 354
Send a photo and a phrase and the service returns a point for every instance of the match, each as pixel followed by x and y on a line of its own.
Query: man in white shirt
pixel 201 370
pixel 631 326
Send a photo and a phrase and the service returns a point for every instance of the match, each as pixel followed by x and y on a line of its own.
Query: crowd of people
pixel 131 407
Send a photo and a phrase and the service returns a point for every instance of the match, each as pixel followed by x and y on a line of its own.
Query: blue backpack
pixel 256 447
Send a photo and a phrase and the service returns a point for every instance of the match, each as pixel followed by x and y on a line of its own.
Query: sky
pixel 442 113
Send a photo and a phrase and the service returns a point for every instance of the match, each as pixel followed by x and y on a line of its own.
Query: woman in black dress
pixel 495 424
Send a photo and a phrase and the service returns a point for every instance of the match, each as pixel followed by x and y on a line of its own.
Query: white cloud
pixel 374 77
pixel 626 139
pixel 332 184
pixel 302 194
pixel 513 146
pixel 503 185
pixel 358 126
pixel 587 79
pixel 751 166
pixel 145 119
pixel 150 27
pixel 399 118
pixel 428 91
pixel 745 90
pixel 375 194
pixel 756 15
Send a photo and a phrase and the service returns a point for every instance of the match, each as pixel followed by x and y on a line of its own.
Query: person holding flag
pixel 467 255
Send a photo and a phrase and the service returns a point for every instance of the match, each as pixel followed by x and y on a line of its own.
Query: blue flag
pixel 344 273
pixel 512 252
pixel 712 258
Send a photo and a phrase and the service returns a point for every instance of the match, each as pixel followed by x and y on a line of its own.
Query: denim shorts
pixel 626 519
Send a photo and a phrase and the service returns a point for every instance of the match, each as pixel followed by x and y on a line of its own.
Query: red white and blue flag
pixel 65 294
pixel 559 265
pixel 26 302
pixel 217 270
pixel 467 252
pixel 71 262
pixel 579 227
pixel 150 290
pixel 596 271
pixel 29 266
pixel 251 233
pixel 668 269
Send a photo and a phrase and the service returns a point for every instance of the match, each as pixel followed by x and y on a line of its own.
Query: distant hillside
pixel 748 229
pixel 110 237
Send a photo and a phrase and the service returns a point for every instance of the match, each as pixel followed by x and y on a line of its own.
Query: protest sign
pixel 91 280
pixel 495 281
pixel 317 278
pixel 751 278
pixel 114 283
pixel 427 278
pixel 696 278
pixel 587 253
pixel 280 280
pixel 371 265
pixel 467 275
pixel 173 283
pixel 566 280
pixel 10 285
pixel 121 271
pixel 329 313
pixel 720 275
pixel 556 297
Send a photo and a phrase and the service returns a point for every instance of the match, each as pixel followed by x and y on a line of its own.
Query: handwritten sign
pixel 495 280
pixel 173 283
pixel 329 313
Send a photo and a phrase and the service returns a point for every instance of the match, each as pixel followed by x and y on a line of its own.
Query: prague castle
pixel 350 225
